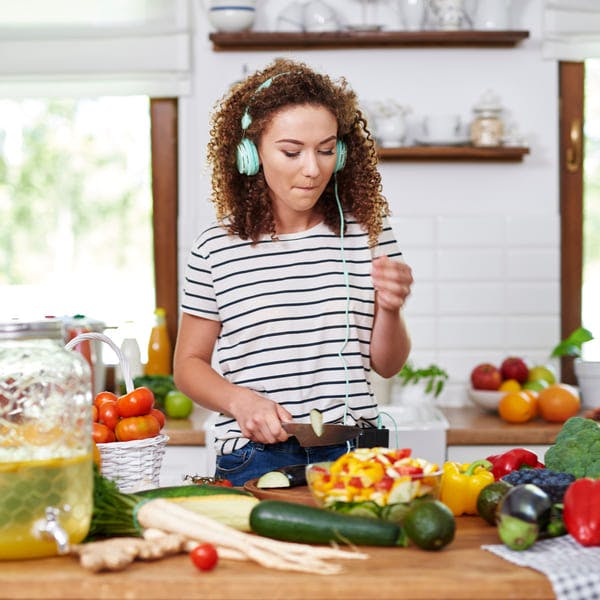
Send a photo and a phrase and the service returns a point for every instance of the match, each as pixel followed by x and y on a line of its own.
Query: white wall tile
pixel 422 332
pixel 533 264
pixel 469 332
pixel 473 231
pixel 528 333
pixel 422 263
pixel 470 264
pixel 533 298
pixel 413 232
pixel 471 298
pixel 422 299
pixel 533 230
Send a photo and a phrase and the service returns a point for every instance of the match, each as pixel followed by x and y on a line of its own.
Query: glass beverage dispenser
pixel 46 475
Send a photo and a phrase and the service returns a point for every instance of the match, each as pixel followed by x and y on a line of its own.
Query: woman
pixel 298 284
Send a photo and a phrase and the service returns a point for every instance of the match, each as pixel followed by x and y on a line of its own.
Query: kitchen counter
pixel 468 426
pixel 460 570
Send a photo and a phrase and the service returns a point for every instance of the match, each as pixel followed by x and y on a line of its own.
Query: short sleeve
pixel 387 244
pixel 198 292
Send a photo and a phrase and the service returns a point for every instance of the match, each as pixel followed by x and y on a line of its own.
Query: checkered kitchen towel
pixel 573 569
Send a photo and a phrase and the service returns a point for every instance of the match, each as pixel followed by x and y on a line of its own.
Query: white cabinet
pixel 180 461
pixel 465 454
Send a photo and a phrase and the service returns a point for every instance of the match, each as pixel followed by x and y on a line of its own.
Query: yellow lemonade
pixel 27 488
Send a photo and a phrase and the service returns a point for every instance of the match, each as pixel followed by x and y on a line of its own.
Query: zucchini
pixel 184 491
pixel 290 476
pixel 305 524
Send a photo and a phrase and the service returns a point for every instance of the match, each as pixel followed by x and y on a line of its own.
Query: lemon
pixel 510 385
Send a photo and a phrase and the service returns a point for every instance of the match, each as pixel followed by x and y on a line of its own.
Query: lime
pixel 489 498
pixel 178 405
pixel 430 525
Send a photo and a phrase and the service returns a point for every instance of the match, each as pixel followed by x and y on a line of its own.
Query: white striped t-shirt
pixel 282 307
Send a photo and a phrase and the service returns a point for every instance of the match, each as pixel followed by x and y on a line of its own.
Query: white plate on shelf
pixel 450 142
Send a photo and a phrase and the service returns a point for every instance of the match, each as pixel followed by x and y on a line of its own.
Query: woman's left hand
pixel 392 281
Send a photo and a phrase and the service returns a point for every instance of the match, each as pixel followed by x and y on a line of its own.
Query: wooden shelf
pixel 271 40
pixel 466 153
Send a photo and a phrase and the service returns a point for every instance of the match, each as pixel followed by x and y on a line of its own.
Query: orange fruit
pixel 517 407
pixel 558 402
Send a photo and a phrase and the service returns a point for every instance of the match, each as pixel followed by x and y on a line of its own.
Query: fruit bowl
pixel 486 399
pixel 380 482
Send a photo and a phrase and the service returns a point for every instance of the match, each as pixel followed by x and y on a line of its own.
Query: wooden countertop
pixel 468 426
pixel 460 570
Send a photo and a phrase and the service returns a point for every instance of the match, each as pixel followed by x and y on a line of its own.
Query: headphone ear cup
pixel 341 152
pixel 248 162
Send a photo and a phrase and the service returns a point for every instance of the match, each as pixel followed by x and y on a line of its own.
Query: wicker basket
pixel 131 465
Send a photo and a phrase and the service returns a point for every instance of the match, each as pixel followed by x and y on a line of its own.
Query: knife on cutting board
pixel 332 433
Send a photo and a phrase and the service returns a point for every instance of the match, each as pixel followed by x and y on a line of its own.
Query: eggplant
pixel 283 477
pixel 523 513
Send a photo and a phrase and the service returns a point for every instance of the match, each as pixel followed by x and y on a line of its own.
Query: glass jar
pixel 487 128
pixel 46 475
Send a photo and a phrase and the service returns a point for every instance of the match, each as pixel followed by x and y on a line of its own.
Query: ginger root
pixel 115 554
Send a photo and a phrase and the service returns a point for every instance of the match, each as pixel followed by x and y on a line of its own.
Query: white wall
pixel 482 238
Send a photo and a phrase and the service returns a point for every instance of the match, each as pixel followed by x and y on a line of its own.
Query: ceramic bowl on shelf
pixel 370 481
pixel 486 399
pixel 231 17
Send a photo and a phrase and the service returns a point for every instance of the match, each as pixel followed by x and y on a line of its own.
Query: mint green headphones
pixel 248 162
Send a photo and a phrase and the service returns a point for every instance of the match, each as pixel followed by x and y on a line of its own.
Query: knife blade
pixel 332 434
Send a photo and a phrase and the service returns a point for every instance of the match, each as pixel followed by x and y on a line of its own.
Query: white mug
pixel 449 15
pixel 443 128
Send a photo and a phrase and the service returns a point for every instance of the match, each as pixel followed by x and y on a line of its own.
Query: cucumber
pixel 183 491
pixel 290 476
pixel 305 524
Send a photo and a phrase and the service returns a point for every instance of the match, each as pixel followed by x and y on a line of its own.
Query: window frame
pixel 571 94
pixel 164 145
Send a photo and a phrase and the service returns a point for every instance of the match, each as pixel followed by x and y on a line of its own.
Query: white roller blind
pixel 95 47
pixel 571 29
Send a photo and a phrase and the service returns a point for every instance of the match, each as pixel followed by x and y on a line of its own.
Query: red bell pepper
pixel 581 512
pixel 517 458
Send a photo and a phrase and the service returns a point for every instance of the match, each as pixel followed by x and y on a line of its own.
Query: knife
pixel 332 434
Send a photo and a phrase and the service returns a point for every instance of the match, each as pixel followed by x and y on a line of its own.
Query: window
pixel 76 208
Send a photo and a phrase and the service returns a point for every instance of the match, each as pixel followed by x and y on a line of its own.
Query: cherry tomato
pixel 108 415
pixel 94 413
pixel 204 557
pixel 136 403
pixel 101 434
pixel 159 415
pixel 103 397
pixel 137 428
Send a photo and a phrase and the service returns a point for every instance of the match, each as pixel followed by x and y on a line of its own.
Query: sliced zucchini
pixel 284 477
pixel 316 422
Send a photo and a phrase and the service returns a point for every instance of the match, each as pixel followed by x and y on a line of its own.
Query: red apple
pixel 486 377
pixel 514 367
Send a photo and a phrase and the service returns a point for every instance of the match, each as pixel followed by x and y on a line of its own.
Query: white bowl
pixel 486 399
pixel 231 18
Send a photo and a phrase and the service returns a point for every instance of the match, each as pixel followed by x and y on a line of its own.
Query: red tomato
pixel 159 415
pixel 385 484
pixel 223 482
pixel 136 403
pixel 101 434
pixel 103 397
pixel 204 557
pixel 137 428
pixel 108 415
pixel 94 413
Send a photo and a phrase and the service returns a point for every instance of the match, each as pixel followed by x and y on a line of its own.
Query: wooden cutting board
pixel 300 494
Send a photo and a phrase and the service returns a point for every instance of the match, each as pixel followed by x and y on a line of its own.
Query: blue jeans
pixel 255 459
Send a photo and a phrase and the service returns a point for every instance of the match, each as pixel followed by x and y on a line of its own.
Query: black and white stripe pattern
pixel 282 306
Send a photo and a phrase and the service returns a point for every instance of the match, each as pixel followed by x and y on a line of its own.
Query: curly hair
pixel 243 201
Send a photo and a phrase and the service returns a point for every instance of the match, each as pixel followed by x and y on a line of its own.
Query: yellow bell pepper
pixel 461 485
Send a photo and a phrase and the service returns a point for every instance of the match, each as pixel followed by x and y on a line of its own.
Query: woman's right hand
pixel 259 418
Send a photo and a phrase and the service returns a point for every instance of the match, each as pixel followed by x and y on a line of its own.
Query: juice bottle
pixel 159 347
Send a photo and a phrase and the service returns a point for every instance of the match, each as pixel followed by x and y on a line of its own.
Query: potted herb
pixel 428 381
pixel 586 371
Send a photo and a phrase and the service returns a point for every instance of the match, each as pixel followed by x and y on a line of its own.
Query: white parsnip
pixel 170 518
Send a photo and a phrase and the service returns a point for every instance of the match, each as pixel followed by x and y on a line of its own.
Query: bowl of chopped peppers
pixel 373 481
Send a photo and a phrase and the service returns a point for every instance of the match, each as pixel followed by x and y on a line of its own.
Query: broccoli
pixel 576 449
